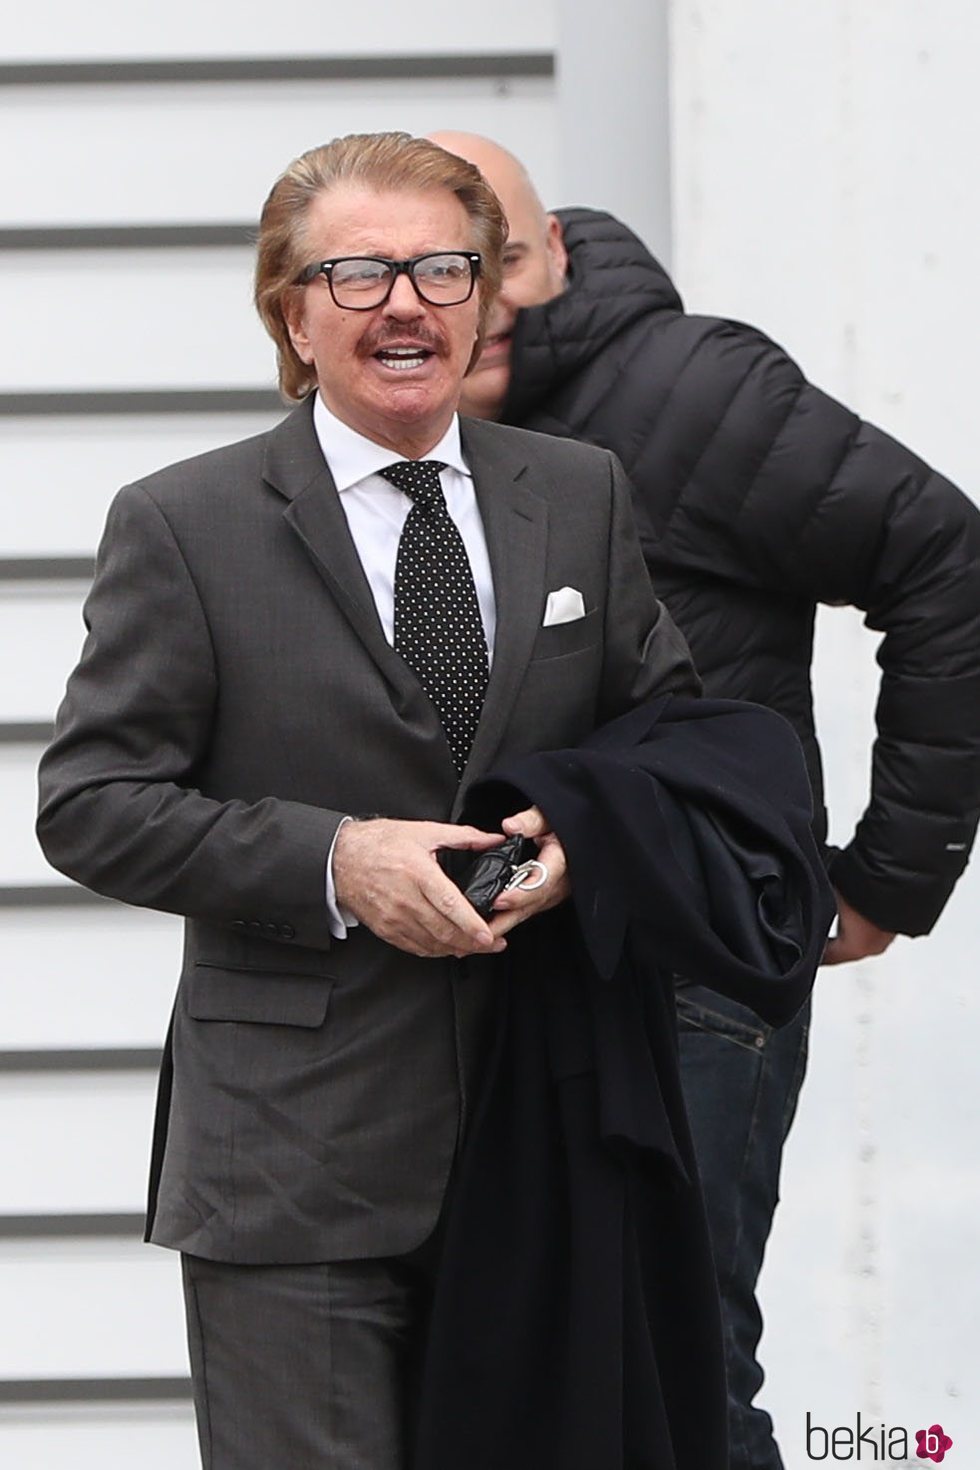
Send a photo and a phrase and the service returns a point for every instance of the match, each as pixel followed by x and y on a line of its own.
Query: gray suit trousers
pixel 304 1367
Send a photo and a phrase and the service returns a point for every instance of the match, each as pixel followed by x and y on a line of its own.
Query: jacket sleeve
pixel 833 509
pixel 645 652
pixel 119 811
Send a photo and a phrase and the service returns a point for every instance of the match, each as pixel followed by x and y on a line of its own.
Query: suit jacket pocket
pixel 561 639
pixel 217 993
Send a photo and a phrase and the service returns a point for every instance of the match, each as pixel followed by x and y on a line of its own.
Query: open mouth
pixel 403 359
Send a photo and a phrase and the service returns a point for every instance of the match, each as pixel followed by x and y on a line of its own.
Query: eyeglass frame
pixel 398 268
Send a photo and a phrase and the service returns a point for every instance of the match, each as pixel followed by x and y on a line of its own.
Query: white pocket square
pixel 563 606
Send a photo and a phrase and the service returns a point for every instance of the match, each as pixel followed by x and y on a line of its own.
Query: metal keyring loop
pixel 525 871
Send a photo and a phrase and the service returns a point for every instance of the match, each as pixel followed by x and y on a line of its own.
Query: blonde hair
pixel 383 161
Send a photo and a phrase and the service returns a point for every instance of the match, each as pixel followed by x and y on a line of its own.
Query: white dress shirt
pixel 376 512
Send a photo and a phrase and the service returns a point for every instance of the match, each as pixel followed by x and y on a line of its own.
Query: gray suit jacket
pixel 235 697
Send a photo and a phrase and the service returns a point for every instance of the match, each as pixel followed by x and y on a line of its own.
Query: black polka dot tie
pixel 438 628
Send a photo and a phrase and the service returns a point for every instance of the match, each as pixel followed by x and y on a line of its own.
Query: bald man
pixel 535 266
pixel 758 497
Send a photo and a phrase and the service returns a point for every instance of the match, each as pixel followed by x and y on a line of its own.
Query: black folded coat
pixel 576 1324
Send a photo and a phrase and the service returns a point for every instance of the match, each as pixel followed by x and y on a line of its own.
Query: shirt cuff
pixel 339 919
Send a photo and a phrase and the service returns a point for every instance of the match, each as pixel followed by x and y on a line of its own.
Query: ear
pixel 295 317
pixel 557 253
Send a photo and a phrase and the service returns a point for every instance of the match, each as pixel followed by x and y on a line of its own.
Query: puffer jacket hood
pixel 613 283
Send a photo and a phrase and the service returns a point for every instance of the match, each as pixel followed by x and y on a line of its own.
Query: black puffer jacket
pixel 758 497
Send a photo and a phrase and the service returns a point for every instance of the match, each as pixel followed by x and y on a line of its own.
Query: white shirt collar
pixel 352 458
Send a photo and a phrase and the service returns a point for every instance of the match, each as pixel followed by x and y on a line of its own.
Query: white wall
pixel 117 30
pixel 823 171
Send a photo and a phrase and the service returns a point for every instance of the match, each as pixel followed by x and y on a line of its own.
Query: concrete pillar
pixel 613 104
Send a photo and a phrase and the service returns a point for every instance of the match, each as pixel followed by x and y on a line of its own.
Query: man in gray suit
pixel 289 633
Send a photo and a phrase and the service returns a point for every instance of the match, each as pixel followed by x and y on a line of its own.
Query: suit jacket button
pixel 254 926
pixel 239 924
pixel 272 930
pixel 287 931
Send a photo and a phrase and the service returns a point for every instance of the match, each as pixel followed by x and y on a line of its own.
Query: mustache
pixel 389 334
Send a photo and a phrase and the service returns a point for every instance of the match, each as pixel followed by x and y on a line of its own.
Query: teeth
pixel 401 362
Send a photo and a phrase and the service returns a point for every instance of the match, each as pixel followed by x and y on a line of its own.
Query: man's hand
pixel 856 937
pixel 386 874
pixel 517 904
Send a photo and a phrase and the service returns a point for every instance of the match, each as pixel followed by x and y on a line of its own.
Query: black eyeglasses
pixel 362 282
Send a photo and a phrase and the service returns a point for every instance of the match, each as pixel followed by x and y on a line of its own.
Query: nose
pixel 504 309
pixel 404 304
pixel 514 284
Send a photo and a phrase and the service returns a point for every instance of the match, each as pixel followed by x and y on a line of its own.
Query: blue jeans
pixel 741 1081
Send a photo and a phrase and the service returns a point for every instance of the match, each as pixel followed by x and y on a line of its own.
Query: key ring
pixel 518 878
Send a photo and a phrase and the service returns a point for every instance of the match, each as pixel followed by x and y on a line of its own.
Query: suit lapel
pixel 294 465
pixel 515 522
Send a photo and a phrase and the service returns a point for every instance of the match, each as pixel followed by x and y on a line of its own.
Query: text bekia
pixel 873 1442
